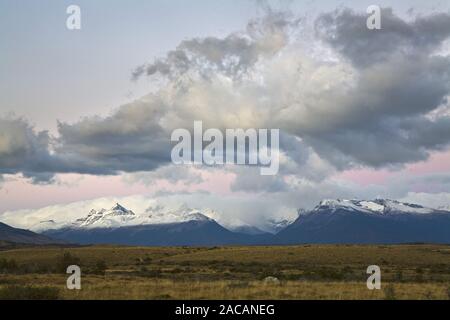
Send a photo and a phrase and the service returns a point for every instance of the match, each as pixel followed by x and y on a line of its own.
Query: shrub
pixel 15 292
pixel 99 268
pixel 399 276
pixel 65 260
pixel 150 273
pixel 147 260
pixel 389 292
pixel 419 277
pixel 8 266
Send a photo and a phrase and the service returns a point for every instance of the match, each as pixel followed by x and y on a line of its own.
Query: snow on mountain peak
pixel 275 225
pixel 120 209
pixel 119 216
pixel 377 206
pixel 334 204
pixel 115 216
pixel 160 214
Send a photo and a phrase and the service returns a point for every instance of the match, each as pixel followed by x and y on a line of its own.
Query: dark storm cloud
pixel 24 150
pixel 130 140
pixel 346 31
pixel 384 119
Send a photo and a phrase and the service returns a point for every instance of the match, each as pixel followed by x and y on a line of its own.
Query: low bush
pixel 8 266
pixel 389 292
pixel 65 260
pixel 15 292
pixel 99 268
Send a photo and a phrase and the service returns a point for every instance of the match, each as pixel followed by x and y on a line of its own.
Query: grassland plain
pixel 304 271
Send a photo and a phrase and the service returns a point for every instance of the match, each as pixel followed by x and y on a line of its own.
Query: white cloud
pixel 432 200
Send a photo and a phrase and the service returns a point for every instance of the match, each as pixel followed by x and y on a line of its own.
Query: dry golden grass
pixel 306 272
pixel 119 287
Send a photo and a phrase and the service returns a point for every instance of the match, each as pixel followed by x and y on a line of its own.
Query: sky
pixel 87 114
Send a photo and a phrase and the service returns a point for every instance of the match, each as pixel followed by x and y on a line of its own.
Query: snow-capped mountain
pixel 158 225
pixel 119 216
pixel 276 225
pixel 445 208
pixel 99 212
pixel 377 206
pixel 331 221
pixel 114 217
pixel 161 214
pixel 368 221
pixel 158 214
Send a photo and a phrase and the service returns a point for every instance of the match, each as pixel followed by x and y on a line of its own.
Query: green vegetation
pixel 99 268
pixel 389 292
pixel 305 272
pixel 8 266
pixel 14 292
pixel 64 260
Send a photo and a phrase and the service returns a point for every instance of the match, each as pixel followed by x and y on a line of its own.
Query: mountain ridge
pixel 331 221
pixel 368 222
pixel 190 233
pixel 10 234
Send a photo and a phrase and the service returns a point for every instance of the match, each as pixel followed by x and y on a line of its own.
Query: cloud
pixel 170 173
pixel 233 55
pixel 368 106
pixel 431 183
pixel 250 180
pixel 346 31
pixel 384 106
pixel 432 200
pixel 24 150
pixel 130 140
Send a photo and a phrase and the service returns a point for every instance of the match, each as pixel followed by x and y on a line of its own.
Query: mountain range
pixel 377 221
pixel 10 235
pixel 331 221
pixel 119 225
